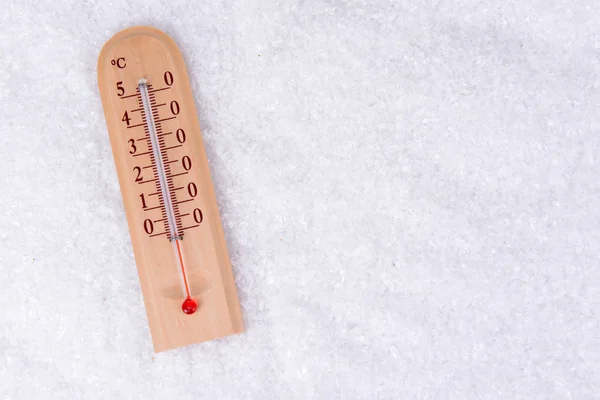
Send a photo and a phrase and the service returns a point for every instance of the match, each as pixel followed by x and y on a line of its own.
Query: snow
pixel 409 192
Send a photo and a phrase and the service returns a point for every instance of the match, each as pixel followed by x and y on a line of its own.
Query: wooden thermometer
pixel 173 218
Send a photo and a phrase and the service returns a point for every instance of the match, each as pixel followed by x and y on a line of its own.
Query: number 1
pixel 143 200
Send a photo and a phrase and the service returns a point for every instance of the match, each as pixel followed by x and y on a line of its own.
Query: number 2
pixel 139 174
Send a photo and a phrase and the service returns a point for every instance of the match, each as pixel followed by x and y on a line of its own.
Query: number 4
pixel 126 118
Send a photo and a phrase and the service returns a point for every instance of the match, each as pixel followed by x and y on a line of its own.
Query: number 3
pixel 132 144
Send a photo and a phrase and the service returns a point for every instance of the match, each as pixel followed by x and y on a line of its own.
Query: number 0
pixel 180 135
pixel 148 226
pixel 174 107
pixel 187 163
pixel 192 189
pixel 198 217
pixel 168 78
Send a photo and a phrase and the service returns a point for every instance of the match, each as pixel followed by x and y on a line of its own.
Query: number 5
pixel 120 89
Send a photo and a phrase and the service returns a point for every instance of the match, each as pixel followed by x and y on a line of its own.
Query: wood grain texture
pixel 144 52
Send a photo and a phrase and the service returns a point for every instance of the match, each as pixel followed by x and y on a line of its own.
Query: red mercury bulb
pixel 189 306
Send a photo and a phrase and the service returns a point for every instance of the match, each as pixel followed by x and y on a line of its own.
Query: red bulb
pixel 189 306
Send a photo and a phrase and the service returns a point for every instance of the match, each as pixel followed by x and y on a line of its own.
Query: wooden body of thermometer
pixel 173 218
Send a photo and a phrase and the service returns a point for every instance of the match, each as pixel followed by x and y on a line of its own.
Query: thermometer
pixel 180 250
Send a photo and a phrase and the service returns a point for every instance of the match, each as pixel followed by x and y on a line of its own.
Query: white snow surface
pixel 409 192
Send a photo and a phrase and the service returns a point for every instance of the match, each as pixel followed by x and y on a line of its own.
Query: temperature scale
pixel 171 209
